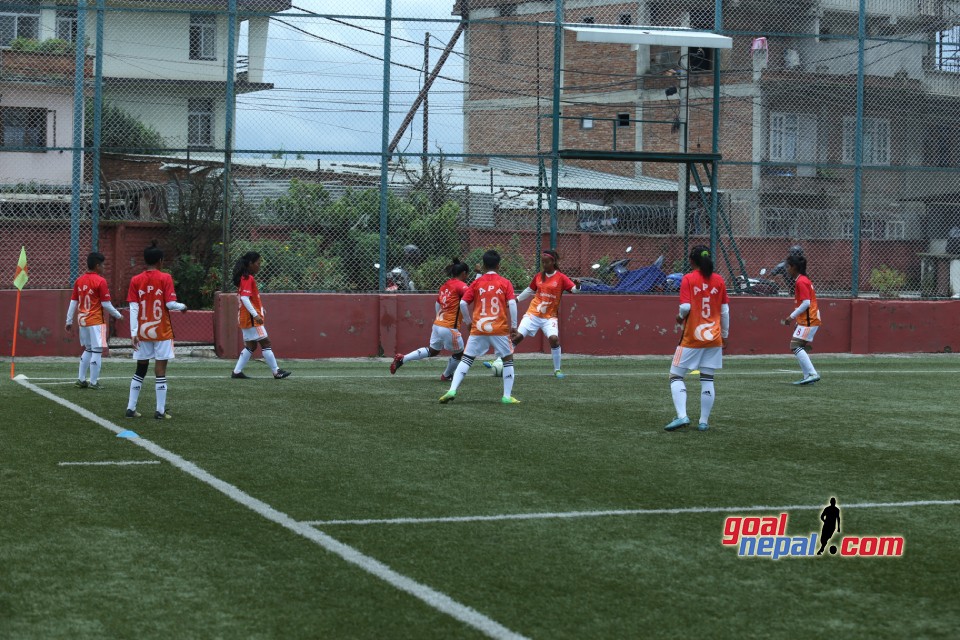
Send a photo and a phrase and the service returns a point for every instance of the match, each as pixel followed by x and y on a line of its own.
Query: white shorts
pixel 254 334
pixel 804 333
pixel 477 345
pixel 687 359
pixel 93 337
pixel 530 324
pixel 445 338
pixel 154 350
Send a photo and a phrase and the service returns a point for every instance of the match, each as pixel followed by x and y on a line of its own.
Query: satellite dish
pixel 629 249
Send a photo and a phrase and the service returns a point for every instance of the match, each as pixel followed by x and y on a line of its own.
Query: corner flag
pixel 19 279
pixel 20 275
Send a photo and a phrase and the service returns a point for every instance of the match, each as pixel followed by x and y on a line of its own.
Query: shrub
pixel 887 281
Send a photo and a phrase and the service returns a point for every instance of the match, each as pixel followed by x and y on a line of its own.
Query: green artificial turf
pixel 149 551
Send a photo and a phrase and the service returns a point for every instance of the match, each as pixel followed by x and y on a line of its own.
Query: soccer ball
pixel 497 367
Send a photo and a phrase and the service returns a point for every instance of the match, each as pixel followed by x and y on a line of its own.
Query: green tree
pixel 121 131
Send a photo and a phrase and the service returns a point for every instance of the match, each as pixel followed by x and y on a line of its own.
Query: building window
pixel 586 123
pixel 942 146
pixel 507 10
pixel 67 25
pixel 203 37
pixel 23 127
pixel 876 140
pixel 793 137
pixel 588 20
pixel 200 122
pixel 626 18
pixel 18 23
pixel 947 50
pixel 623 119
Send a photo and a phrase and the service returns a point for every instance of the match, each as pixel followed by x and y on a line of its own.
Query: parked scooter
pixel 398 279
pixel 757 286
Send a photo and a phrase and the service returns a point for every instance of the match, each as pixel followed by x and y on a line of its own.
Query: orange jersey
pixel 547 291
pixel 90 290
pixel 152 290
pixel 449 300
pixel 701 329
pixel 248 288
pixel 804 291
pixel 489 294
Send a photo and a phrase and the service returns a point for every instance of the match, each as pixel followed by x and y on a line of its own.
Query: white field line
pixel 569 515
pixel 118 463
pixel 574 375
pixel 439 601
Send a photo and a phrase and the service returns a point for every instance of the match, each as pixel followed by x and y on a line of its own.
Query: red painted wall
pixel 305 325
pixel 42 332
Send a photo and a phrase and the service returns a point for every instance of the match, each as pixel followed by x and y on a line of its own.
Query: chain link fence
pixel 359 148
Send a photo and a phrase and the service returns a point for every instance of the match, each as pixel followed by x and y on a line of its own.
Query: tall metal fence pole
pixel 97 132
pixel 555 119
pixel 385 141
pixel 858 152
pixel 715 144
pixel 230 99
pixel 77 178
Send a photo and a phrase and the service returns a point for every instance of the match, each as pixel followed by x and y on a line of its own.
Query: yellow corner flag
pixel 20 276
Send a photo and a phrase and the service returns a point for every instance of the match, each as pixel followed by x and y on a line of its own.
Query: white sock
pixel 707 396
pixel 161 387
pixel 419 354
pixel 508 377
pixel 242 361
pixel 271 359
pixel 461 372
pixel 805 365
pixel 679 391
pixel 555 352
pixel 135 386
pixel 95 366
pixel 451 367
pixel 84 364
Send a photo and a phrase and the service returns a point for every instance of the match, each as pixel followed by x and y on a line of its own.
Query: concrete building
pixel 788 104
pixel 164 62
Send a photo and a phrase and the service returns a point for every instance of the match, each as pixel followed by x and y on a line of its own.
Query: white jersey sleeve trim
pixel 134 319
pixel 109 308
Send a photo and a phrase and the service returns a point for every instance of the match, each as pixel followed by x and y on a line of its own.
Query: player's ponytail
pixel 242 266
pixel 700 256
pixel 456 267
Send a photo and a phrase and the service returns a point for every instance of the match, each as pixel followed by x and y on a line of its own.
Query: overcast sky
pixel 328 80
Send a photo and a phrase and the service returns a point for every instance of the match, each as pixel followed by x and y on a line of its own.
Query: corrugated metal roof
pixel 498 174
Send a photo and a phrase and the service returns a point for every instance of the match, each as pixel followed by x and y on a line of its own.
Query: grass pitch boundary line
pixel 569 515
pixel 574 376
pixel 433 598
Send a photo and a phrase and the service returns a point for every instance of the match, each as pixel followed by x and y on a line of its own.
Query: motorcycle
pixel 398 280
pixel 757 286
pixel 649 279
